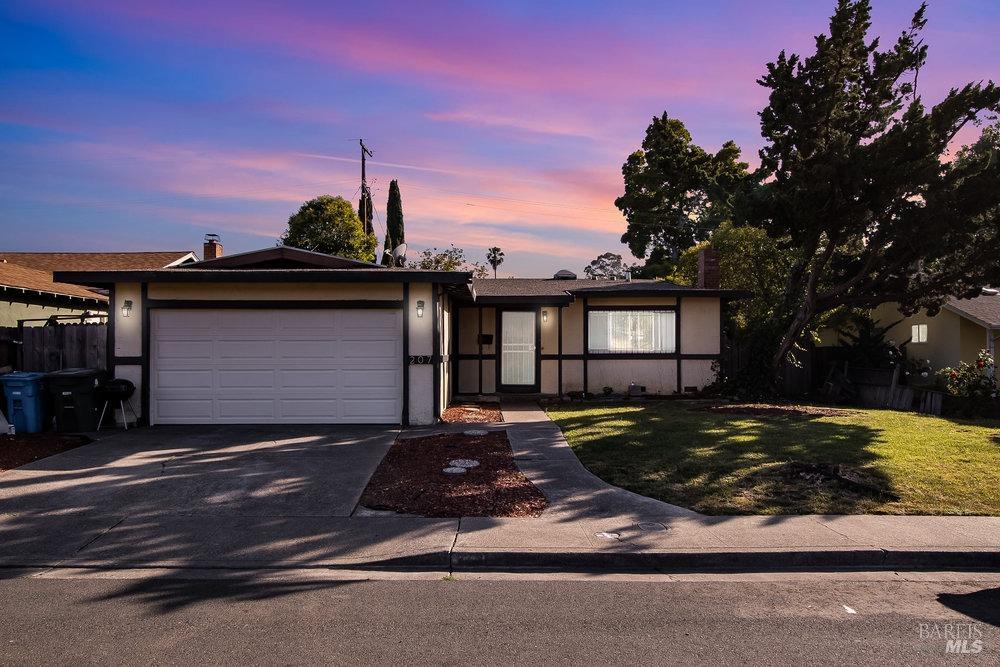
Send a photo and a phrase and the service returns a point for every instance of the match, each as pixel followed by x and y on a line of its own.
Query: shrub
pixel 973 387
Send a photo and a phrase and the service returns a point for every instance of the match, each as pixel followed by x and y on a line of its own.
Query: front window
pixel 631 331
pixel 918 333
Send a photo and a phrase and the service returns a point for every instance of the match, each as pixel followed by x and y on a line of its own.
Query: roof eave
pixel 970 317
pixel 186 275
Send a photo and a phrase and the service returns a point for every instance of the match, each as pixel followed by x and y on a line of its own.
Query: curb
pixel 757 561
pixel 609 561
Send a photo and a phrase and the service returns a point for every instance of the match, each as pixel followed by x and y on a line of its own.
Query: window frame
pixel 918 328
pixel 672 308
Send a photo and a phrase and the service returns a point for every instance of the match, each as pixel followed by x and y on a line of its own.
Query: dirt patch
pixel 22 449
pixel 833 478
pixel 410 479
pixel 777 410
pixel 473 413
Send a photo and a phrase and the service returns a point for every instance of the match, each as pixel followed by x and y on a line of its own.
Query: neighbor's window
pixel 631 331
pixel 918 333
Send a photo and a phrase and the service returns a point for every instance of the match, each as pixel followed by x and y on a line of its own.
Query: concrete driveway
pixel 183 496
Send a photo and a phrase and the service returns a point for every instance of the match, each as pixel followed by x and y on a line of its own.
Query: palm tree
pixel 495 257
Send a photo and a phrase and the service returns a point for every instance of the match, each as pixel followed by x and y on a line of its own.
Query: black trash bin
pixel 74 401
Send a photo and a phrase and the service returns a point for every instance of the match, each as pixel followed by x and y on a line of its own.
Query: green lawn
pixel 895 462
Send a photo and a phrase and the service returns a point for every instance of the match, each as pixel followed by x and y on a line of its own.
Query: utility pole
pixel 366 196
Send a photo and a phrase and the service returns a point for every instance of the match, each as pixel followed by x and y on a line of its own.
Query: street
pixel 303 616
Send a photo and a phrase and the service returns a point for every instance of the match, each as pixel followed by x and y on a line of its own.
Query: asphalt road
pixel 288 619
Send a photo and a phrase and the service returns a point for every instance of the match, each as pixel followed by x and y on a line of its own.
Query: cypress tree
pixel 393 222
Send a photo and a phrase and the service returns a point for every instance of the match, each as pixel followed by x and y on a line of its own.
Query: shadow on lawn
pixel 722 463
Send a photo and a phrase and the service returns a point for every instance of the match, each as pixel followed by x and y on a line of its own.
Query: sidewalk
pixel 592 524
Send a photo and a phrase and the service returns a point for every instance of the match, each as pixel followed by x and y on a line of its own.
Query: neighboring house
pixel 957 333
pixel 283 335
pixel 28 292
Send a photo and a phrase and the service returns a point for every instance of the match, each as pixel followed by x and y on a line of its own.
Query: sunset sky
pixel 140 125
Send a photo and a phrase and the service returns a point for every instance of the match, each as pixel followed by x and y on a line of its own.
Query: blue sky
pixel 140 126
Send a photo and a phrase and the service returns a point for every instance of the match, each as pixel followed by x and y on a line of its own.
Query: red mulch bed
pixel 771 410
pixel 22 449
pixel 409 479
pixel 473 413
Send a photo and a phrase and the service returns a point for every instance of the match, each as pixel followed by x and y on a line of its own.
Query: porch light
pixel 420 308
pixel 127 308
pixel 545 316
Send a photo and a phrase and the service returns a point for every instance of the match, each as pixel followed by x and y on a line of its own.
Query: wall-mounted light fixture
pixel 127 308
pixel 420 308
pixel 545 316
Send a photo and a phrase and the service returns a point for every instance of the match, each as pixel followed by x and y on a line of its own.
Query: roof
pixel 194 275
pixel 984 310
pixel 281 257
pixel 17 277
pixel 97 261
pixel 490 290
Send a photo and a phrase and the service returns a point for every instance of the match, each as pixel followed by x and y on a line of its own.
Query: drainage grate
pixel 651 526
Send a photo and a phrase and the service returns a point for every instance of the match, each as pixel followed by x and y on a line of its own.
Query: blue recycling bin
pixel 25 407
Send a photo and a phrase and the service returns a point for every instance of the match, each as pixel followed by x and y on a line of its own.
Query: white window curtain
pixel 631 331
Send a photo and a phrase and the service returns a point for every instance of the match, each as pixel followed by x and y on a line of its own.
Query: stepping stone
pixel 454 471
pixel 464 463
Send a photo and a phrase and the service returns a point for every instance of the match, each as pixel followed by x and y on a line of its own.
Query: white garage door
pixel 275 366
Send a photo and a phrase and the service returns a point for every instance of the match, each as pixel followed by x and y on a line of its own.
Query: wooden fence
pixel 52 348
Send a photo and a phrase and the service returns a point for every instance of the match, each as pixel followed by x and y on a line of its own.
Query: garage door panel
pixel 184 349
pixel 246 408
pixel 360 348
pixel 292 366
pixel 262 321
pixel 306 349
pixel 183 379
pixel 384 320
pixel 231 378
pixel 310 378
pixel 170 410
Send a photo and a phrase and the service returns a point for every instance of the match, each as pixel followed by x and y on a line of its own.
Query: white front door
pixel 236 366
pixel 517 348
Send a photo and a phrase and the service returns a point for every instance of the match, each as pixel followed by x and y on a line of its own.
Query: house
pixel 28 292
pixel 957 333
pixel 284 335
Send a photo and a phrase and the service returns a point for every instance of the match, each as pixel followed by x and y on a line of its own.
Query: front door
pixel 518 350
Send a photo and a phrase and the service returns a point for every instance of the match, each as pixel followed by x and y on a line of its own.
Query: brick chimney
pixel 708 268
pixel 212 248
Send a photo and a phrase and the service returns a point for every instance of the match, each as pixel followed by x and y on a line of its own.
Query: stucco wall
pixel 421 343
pixel 659 376
pixel 700 326
pixel 128 330
pixel 944 334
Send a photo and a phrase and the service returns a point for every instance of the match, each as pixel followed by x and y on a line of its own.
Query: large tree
pixel 607 266
pixel 855 182
pixel 855 172
pixel 449 259
pixel 676 192
pixel 328 224
pixel 394 234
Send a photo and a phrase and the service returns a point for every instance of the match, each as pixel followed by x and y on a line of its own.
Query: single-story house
pixel 284 335
pixel 28 292
pixel 957 333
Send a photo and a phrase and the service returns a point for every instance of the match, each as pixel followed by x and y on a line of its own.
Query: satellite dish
pixel 398 254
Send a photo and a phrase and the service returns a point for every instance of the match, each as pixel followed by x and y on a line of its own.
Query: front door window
pixel 517 353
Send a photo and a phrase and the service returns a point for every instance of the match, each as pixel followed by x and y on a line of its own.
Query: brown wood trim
pixel 146 333
pixel 677 346
pixel 406 355
pixel 267 304
pixel 128 361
